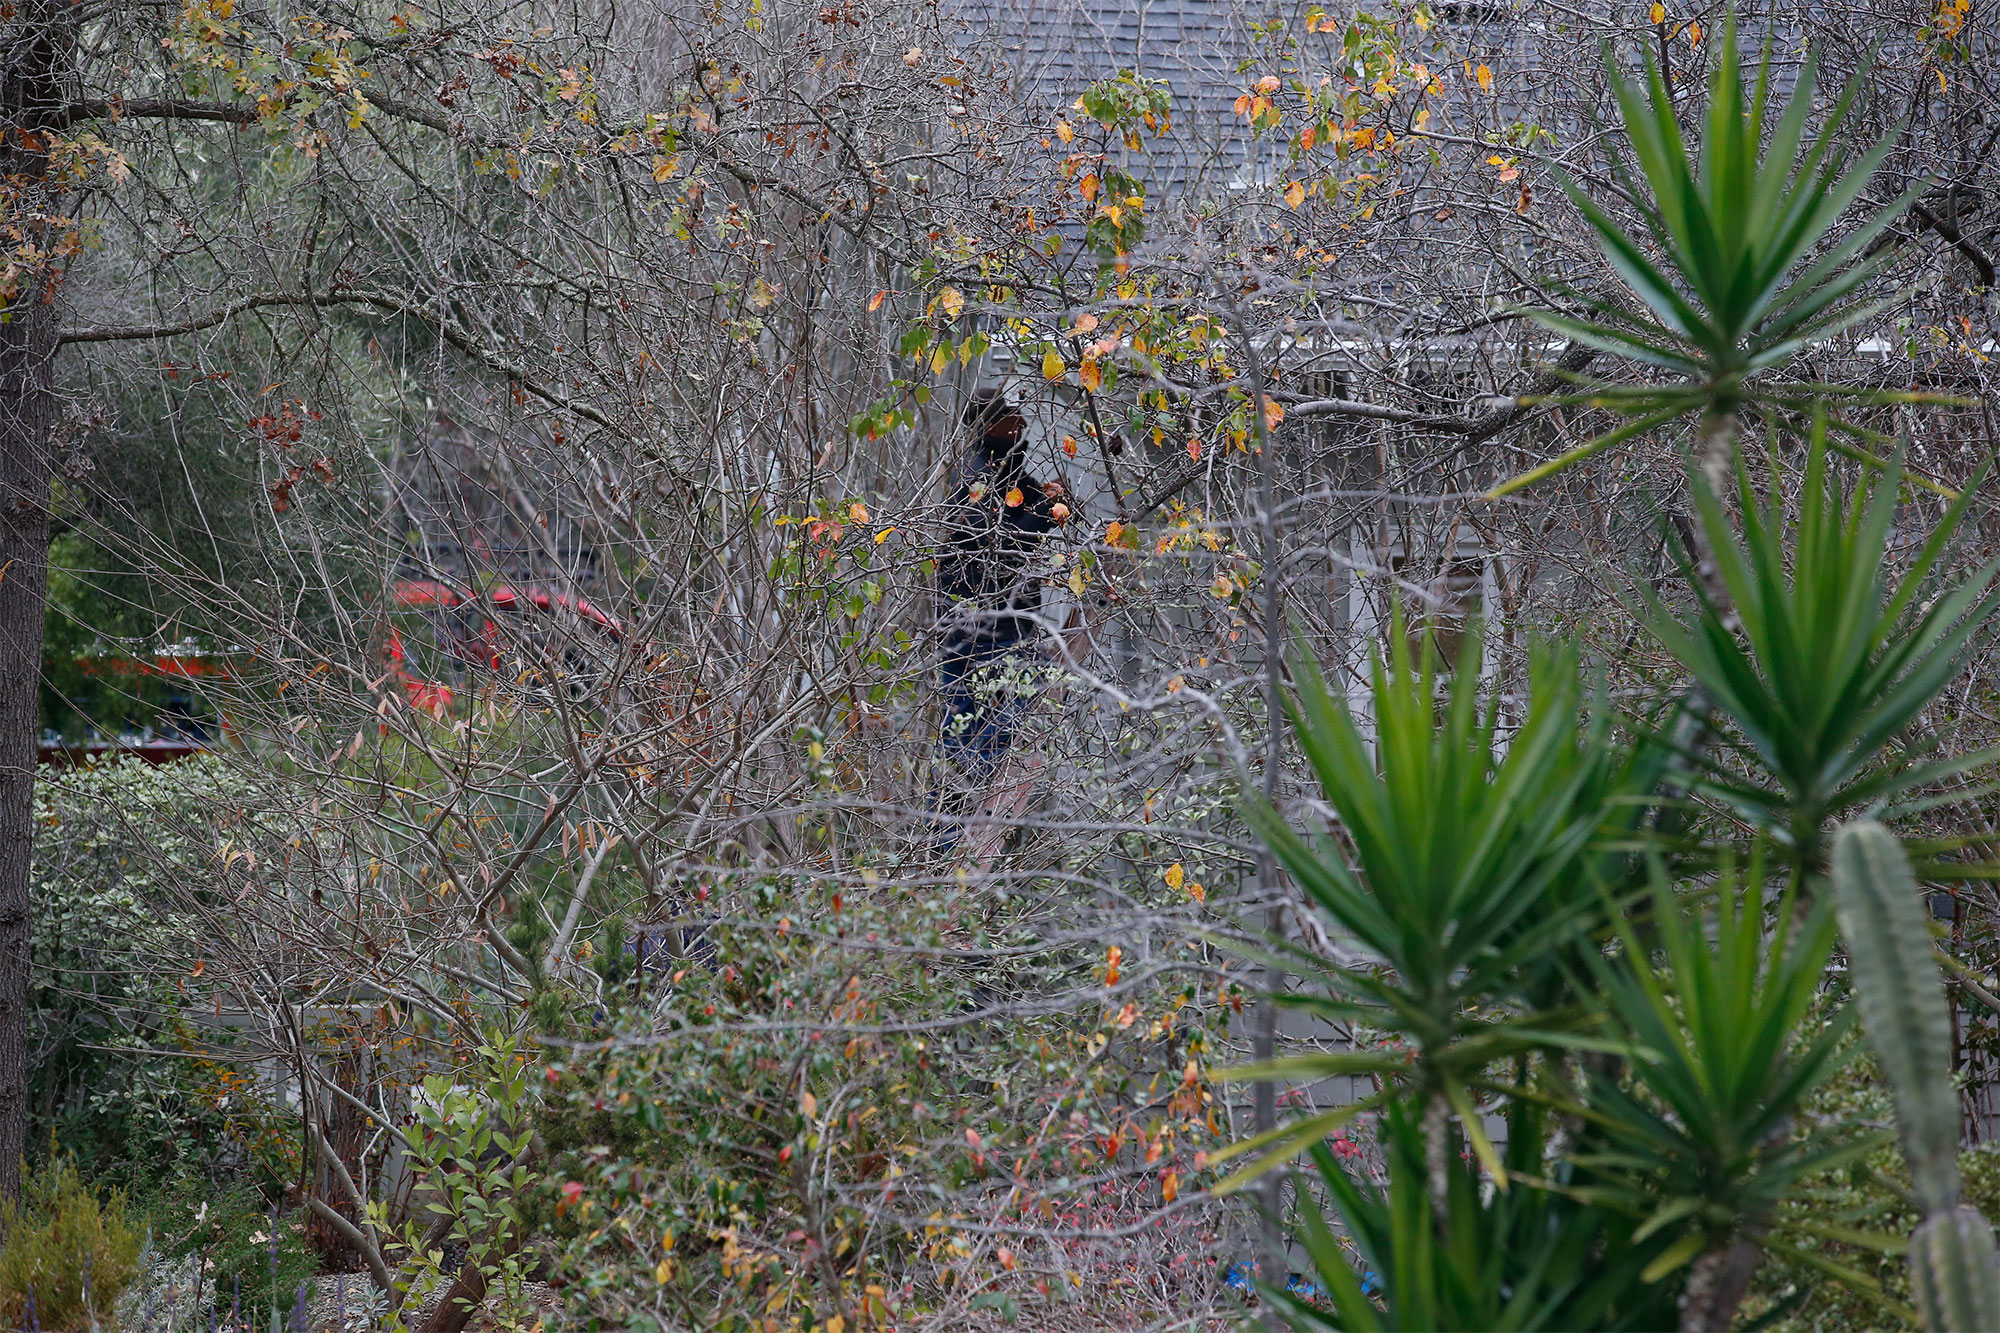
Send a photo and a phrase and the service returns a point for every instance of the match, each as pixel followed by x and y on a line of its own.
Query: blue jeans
pixel 981 711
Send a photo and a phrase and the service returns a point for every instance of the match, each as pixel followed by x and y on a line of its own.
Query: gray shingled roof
pixel 1059 47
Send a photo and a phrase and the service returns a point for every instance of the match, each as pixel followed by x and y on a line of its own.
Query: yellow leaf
pixel 667 1242
pixel 1173 874
pixel 952 302
pixel 1485 77
pixel 1052 365
pixel 858 512
pixel 835 1324
pixel 940 358
pixel 664 1273
pixel 1076 581
pixel 665 165
pixel 1064 132
pixel 1090 374
pixel 1422 18
pixel 1659 13
pixel 880 537
pixel 1295 194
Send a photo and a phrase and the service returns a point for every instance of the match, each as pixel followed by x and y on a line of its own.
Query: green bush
pixel 124 1075
pixel 1793 1291
pixel 249 1257
pixel 64 1249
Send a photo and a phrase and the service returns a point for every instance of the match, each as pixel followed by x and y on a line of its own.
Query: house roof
pixel 1057 48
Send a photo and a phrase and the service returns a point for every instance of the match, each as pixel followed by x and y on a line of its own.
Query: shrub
pixel 69 1253
pixel 250 1259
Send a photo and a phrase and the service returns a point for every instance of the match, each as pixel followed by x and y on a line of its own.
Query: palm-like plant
pixel 1828 661
pixel 1526 1258
pixel 1723 266
pixel 1465 868
pixel 1701 1144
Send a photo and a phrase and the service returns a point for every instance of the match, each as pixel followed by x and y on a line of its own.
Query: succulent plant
pixel 1955 1269
pixel 1954 1261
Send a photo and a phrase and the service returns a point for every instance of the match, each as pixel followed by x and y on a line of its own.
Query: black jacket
pixel 983 569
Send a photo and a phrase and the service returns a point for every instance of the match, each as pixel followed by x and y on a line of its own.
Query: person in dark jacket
pixel 999 516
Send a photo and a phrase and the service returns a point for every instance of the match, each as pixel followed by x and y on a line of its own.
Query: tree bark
pixel 1717 1284
pixel 34 50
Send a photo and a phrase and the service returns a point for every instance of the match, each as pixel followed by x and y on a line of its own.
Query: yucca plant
pixel 1527 1258
pixel 1696 1138
pixel 1822 659
pixel 1462 867
pixel 1727 268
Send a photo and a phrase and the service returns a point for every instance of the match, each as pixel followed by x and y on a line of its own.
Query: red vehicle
pixel 183 731
pixel 466 629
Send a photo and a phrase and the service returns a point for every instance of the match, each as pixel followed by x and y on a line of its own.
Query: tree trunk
pixel 34 49
pixel 1717 1284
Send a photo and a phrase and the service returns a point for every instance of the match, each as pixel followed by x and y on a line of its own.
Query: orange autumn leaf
pixel 1295 194
pixel 1091 375
pixel 1014 498
pixel 876 304
pixel 1485 77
